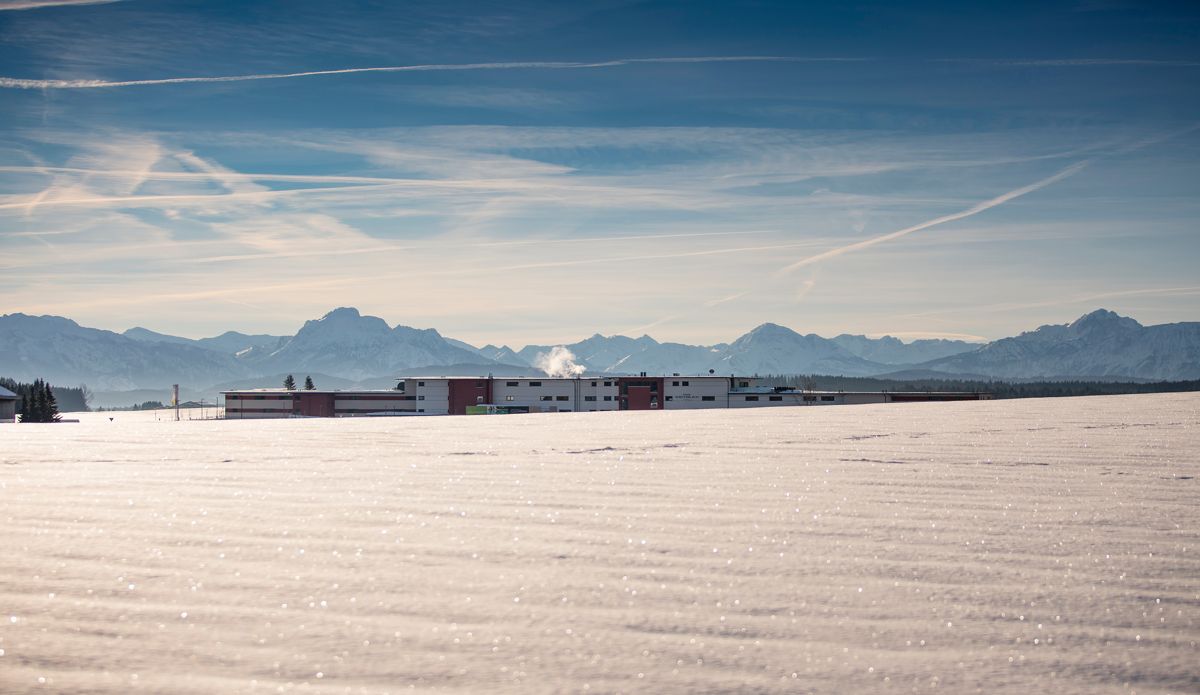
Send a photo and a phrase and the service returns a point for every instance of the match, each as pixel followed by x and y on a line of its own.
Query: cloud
pixel 35 4
pixel 1088 298
pixel 20 83
pixel 973 210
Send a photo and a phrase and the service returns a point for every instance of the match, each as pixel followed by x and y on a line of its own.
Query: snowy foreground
pixel 1025 546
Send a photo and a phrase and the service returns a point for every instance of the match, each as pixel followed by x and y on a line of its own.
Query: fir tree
pixel 51 405
pixel 41 406
pixel 308 384
pixel 35 403
pixel 289 383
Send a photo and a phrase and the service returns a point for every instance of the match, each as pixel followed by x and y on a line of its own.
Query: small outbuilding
pixel 8 405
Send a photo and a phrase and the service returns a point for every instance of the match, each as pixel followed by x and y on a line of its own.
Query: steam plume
pixel 558 363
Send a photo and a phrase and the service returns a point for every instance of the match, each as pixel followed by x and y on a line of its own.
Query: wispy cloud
pixel 28 83
pixel 962 214
pixel 1081 298
pixel 35 4
pixel 20 83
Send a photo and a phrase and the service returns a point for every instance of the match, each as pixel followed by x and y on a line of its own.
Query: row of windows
pixel 680 383
pixel 774 398
pixel 372 397
pixel 232 397
pixel 538 383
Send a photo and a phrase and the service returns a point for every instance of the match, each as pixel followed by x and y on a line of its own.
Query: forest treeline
pixel 998 388
pixel 69 398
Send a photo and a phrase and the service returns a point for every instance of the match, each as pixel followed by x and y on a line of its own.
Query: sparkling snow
pixel 1042 545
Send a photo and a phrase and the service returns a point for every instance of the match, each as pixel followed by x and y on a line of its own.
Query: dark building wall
pixel 314 404
pixel 464 392
pixel 640 392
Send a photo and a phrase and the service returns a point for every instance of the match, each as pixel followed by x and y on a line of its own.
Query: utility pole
pixel 175 400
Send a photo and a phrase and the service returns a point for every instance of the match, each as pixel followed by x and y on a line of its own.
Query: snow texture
pixel 1006 546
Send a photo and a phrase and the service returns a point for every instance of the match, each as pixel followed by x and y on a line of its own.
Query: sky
pixel 536 172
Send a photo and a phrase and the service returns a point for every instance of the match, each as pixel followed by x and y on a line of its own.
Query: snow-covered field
pixel 1023 546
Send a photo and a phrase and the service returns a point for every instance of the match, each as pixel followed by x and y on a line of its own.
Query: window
pixel 827 398
pixel 420 410
pixel 593 384
pixel 512 383
pixel 608 398
pixel 743 384
pixel 752 398
pixel 535 383
pixel 687 383
pixel 608 383
pixel 775 398
pixel 547 398
pixel 508 398
pixel 810 398
pixel 669 397
pixel 420 398
pixel 420 383
pixel 674 383
pixel 589 398
pixel 708 398
pixel 564 398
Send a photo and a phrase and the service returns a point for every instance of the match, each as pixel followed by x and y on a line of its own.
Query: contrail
pixel 34 4
pixel 973 210
pixel 21 83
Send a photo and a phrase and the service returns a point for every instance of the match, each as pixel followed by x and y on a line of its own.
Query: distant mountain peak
pixel 772 329
pixel 1104 317
pixel 342 312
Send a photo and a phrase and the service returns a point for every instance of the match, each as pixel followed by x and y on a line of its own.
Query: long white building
pixel 447 395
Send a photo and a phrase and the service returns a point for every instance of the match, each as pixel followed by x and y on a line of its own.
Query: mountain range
pixel 345 348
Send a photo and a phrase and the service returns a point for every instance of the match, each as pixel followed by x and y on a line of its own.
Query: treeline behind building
pixel 69 399
pixel 1000 389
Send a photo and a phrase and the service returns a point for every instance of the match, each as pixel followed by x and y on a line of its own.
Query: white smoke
pixel 558 363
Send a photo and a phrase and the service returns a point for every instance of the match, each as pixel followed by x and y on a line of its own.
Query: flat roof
pixel 335 391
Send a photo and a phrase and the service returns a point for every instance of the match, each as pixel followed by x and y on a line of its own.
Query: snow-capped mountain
pixel 1099 344
pixel 346 344
pixel 502 354
pixel 63 352
pixel 618 354
pixel 889 350
pixel 229 342
pixel 768 349
pixel 774 349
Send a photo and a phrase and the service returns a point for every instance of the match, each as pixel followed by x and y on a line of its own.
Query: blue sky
pixel 538 171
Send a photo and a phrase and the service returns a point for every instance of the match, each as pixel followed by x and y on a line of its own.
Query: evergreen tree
pixel 308 384
pixel 289 383
pixel 35 405
pixel 51 405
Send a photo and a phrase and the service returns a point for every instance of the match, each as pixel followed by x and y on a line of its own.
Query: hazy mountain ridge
pixel 63 352
pixel 229 342
pixel 890 350
pixel 345 346
pixel 1099 344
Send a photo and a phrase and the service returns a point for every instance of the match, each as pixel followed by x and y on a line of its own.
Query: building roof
pixel 334 391
pixel 6 394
